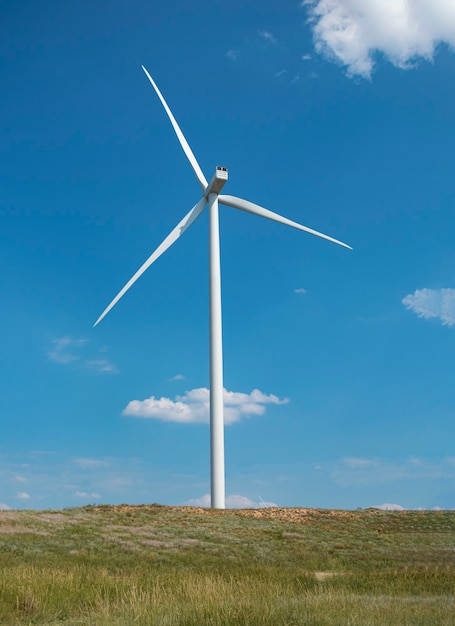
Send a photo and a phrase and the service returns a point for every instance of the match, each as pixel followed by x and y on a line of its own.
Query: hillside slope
pixel 153 564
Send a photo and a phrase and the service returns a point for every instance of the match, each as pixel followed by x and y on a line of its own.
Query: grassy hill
pixel 157 565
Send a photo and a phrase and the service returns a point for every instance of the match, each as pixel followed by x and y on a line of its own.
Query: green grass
pixel 153 565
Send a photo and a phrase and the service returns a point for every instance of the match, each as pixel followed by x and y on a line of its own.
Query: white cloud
pixel 66 350
pixel 265 34
pixel 233 55
pixel 389 507
pixel 178 377
pixel 358 463
pixel 351 471
pixel 20 479
pixel 232 502
pixel 240 502
pixel 203 501
pixel 353 32
pixel 300 290
pixel 306 57
pixel 62 350
pixel 433 303
pixel 103 366
pixel 87 463
pixel 22 495
pixel 85 495
pixel 4 507
pixel 193 406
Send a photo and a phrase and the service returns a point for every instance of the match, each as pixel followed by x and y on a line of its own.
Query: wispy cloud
pixel 63 350
pixel 233 55
pixel 87 463
pixel 285 75
pixel 353 32
pixel 178 377
pixel 193 406
pixel 356 463
pixel 103 366
pixel 433 304
pixel 4 507
pixel 59 481
pixel 352 471
pixel 66 350
pixel 300 290
pixel 267 36
pixel 22 495
pixel 86 496
pixel 234 501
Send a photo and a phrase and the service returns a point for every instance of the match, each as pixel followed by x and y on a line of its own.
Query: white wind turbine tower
pixel 210 197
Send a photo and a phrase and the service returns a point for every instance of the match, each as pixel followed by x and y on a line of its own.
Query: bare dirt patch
pixel 325 575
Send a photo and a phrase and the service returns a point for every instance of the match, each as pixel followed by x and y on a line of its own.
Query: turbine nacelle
pixel 218 181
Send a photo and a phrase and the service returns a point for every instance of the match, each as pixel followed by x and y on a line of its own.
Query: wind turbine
pixel 211 197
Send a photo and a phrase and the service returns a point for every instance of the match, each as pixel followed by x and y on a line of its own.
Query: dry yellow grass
pixel 159 565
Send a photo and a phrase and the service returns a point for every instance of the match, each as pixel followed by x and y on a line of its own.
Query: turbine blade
pixel 250 207
pixel 183 142
pixel 181 227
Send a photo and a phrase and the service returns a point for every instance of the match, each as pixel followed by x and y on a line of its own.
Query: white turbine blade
pixel 250 207
pixel 164 245
pixel 183 142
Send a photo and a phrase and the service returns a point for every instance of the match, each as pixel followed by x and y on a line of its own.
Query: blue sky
pixel 339 115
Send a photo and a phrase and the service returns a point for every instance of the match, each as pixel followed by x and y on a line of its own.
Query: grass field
pixel 166 566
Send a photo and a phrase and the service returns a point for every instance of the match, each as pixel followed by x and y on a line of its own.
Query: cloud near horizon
pixel 86 496
pixel 193 406
pixel 387 506
pixel 234 501
pixel 433 303
pixel 353 471
pixel 354 32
